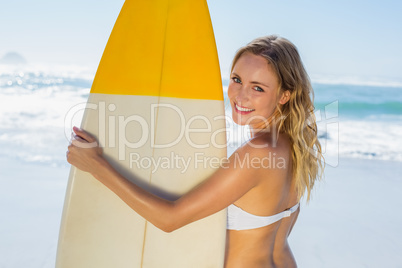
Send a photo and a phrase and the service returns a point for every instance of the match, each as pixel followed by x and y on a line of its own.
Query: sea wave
pixel 370 81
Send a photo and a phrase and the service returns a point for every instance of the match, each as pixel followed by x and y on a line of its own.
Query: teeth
pixel 243 109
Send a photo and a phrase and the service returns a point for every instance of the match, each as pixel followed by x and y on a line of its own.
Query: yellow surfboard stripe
pixel 189 62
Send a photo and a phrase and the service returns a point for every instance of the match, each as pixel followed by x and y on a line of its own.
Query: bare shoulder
pixel 264 152
pixel 267 144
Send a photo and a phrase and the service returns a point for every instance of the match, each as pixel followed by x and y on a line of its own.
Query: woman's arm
pixel 221 189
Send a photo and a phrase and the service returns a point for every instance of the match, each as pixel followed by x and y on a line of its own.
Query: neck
pixel 254 132
pixel 258 130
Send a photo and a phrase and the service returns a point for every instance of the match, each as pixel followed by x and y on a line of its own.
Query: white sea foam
pixel 54 71
pixel 34 103
pixel 371 139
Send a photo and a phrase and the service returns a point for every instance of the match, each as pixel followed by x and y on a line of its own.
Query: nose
pixel 242 95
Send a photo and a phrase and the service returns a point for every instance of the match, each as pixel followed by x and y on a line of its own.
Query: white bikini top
pixel 239 219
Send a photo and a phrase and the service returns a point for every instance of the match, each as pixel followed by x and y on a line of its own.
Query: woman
pixel 269 91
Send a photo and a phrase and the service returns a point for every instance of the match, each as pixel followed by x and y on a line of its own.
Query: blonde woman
pixel 270 92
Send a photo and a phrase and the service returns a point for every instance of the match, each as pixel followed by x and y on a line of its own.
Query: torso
pixel 266 246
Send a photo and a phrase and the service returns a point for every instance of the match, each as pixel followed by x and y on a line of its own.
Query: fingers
pixel 83 134
pixel 78 157
pixel 68 153
pixel 83 139
pixel 70 149
pixel 77 140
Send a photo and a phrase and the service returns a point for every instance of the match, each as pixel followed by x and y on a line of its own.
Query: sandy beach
pixel 353 218
pixel 351 221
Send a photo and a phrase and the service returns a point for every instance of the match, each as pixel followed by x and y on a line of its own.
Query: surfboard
pixel 156 107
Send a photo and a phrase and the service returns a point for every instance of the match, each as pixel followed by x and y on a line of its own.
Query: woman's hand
pixel 84 151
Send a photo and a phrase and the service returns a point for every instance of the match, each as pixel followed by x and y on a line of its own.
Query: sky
pixel 343 39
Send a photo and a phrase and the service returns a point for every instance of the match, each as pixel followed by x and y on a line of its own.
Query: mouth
pixel 242 110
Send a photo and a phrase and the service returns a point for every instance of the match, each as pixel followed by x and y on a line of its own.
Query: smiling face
pixel 253 91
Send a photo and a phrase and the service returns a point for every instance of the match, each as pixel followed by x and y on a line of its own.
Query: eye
pixel 258 89
pixel 236 80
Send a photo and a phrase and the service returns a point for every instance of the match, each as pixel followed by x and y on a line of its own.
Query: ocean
pixel 39 105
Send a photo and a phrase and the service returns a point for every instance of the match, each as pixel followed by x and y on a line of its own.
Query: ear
pixel 285 97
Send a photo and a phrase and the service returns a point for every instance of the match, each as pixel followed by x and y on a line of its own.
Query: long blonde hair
pixel 297 115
